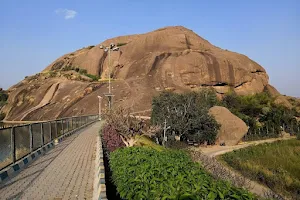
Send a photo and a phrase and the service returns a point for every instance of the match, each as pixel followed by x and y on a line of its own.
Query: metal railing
pixel 19 141
pixel 8 125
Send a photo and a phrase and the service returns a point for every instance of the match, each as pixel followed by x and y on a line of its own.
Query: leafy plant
pixel 111 138
pixel 129 126
pixel 145 173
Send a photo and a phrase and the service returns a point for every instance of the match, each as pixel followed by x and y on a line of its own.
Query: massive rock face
pixel 171 58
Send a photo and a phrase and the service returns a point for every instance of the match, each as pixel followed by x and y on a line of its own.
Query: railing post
pixel 42 134
pixel 68 127
pixel 56 129
pixel 13 144
pixel 31 137
pixel 50 124
pixel 62 127
pixel 72 123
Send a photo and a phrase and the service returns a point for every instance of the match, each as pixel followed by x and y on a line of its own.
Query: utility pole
pixel 111 47
pixel 109 83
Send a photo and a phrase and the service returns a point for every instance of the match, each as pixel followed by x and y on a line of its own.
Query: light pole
pixel 111 47
pixel 100 98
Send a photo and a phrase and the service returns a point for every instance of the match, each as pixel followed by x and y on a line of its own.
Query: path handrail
pixel 18 141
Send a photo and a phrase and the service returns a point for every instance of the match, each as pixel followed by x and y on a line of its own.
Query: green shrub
pixel 52 73
pixel 94 77
pixel 90 47
pixel 82 71
pixel 2 116
pixel 187 114
pixel 265 118
pixel 67 68
pixel 145 173
pixel 121 44
pixel 2 103
pixel 3 96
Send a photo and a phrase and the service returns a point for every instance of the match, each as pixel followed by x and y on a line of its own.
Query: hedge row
pixel 145 173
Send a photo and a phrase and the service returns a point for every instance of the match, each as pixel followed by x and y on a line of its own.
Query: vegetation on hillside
pixel 121 44
pixel 277 165
pixel 81 71
pixel 145 173
pixel 264 117
pixel 186 115
pixel 3 101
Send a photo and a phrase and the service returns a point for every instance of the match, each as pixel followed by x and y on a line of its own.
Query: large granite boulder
pixel 232 128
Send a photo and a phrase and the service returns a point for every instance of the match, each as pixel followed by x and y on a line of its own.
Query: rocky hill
pixel 170 58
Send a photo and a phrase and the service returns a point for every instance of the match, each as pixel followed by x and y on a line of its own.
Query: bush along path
pixel 146 173
pixel 110 142
pixel 141 169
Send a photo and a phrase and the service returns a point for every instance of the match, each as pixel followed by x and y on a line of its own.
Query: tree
pixel 186 114
pixel 129 126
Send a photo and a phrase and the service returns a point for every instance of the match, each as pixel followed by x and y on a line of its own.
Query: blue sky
pixel 33 33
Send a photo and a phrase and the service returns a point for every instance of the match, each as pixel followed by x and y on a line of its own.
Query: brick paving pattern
pixel 65 172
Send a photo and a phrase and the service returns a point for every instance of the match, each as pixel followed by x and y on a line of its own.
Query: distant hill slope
pixel 170 58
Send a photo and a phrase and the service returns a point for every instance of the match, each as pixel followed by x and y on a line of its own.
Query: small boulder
pixel 232 128
pixel 282 100
pixel 285 134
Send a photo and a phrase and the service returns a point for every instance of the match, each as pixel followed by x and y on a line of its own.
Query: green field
pixel 276 165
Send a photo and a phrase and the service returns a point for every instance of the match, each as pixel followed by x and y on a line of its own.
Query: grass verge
pixel 276 165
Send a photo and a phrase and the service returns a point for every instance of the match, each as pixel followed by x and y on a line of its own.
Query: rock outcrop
pixel 232 129
pixel 173 58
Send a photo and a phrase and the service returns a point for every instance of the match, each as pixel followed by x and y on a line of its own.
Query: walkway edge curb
pixel 99 178
pixel 15 168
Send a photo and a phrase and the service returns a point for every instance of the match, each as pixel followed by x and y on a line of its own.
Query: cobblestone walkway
pixel 65 172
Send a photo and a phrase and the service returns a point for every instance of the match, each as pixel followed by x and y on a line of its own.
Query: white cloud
pixel 68 14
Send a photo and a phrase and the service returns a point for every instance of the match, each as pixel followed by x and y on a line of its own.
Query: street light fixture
pixel 111 47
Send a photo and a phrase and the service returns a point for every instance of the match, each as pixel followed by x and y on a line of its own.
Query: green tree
pixel 187 114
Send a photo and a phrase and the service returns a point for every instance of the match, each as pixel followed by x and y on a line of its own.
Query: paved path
pixel 65 172
pixel 216 150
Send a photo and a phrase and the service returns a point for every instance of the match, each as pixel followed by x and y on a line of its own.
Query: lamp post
pixel 111 47
pixel 100 98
